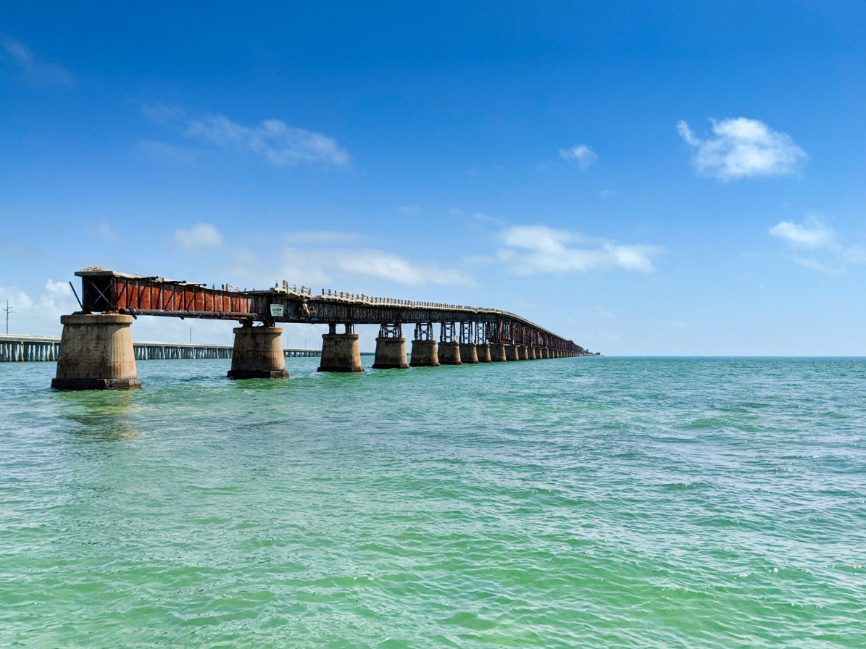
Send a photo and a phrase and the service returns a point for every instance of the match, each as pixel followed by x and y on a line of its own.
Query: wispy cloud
pixel 320 237
pixel 817 247
pixel 271 139
pixel 40 314
pixel 531 250
pixel 31 68
pixel 202 237
pixel 15 249
pixel 582 154
pixel 104 231
pixel 742 148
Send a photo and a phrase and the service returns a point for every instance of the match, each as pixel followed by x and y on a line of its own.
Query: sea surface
pixel 585 502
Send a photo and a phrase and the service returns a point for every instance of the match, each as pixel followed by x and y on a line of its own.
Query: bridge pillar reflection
pixel 390 348
pixel 340 352
pixel 424 353
pixel 96 353
pixel 258 353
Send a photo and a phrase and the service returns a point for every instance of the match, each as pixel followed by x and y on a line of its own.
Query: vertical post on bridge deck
pixel 424 351
pixel 96 353
pixel 449 349
pixel 258 353
pixel 390 348
pixel 340 352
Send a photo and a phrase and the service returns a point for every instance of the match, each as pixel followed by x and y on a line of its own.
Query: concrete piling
pixel 469 353
pixel 258 353
pixel 424 354
pixel 96 353
pixel 483 353
pixel 522 354
pixel 340 353
pixel 511 353
pixel 498 353
pixel 390 354
pixel 449 354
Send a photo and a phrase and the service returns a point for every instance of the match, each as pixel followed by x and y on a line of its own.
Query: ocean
pixel 583 502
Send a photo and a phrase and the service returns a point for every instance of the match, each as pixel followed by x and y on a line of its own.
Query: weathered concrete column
pixel 390 354
pixel 522 354
pixel 96 353
pixel 545 353
pixel 258 353
pixel 530 353
pixel 424 354
pixel 469 353
pixel 498 353
pixel 483 352
pixel 340 353
pixel 449 354
pixel 511 353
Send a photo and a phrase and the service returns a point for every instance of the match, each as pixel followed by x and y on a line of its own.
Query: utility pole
pixel 8 309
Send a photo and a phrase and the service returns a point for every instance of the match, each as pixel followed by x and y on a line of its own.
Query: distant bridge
pixel 96 351
pixel 22 348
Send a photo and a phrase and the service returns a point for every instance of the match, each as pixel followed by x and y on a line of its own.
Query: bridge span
pixel 96 349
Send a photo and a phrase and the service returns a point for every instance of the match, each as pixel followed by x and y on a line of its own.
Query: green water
pixel 588 502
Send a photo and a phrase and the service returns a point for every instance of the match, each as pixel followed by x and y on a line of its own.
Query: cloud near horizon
pixel 531 250
pixel 816 246
pixel 742 148
pixel 271 139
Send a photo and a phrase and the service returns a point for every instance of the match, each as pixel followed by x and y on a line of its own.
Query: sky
pixel 642 178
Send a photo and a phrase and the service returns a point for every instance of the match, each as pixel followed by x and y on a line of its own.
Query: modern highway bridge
pixel 96 349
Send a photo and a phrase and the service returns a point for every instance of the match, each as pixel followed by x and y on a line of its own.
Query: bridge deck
pixel 105 290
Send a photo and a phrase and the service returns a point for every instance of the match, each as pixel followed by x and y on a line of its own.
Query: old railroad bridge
pixel 96 348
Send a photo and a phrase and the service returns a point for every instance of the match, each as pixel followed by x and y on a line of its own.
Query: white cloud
pixel 104 231
pixel 388 266
pixel 271 139
pixel 202 237
pixel 810 234
pixel 582 154
pixel 39 315
pixel 817 247
pixel 530 250
pixel 34 70
pixel 743 148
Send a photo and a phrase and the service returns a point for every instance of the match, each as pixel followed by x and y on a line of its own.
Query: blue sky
pixel 644 178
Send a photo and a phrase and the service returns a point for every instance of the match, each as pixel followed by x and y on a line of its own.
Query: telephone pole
pixel 8 309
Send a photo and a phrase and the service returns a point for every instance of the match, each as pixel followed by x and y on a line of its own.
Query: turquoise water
pixel 587 502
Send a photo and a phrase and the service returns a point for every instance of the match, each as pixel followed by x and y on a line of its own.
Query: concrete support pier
pixel 449 354
pixel 522 354
pixel 391 354
pixel 258 353
pixel 96 353
pixel 545 353
pixel 483 352
pixel 424 354
pixel 530 353
pixel 469 353
pixel 340 353
pixel 498 353
pixel 511 353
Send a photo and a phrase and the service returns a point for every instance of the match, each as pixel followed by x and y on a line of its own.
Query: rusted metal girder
pixel 108 291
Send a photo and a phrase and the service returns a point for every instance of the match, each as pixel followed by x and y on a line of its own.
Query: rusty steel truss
pixel 108 291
